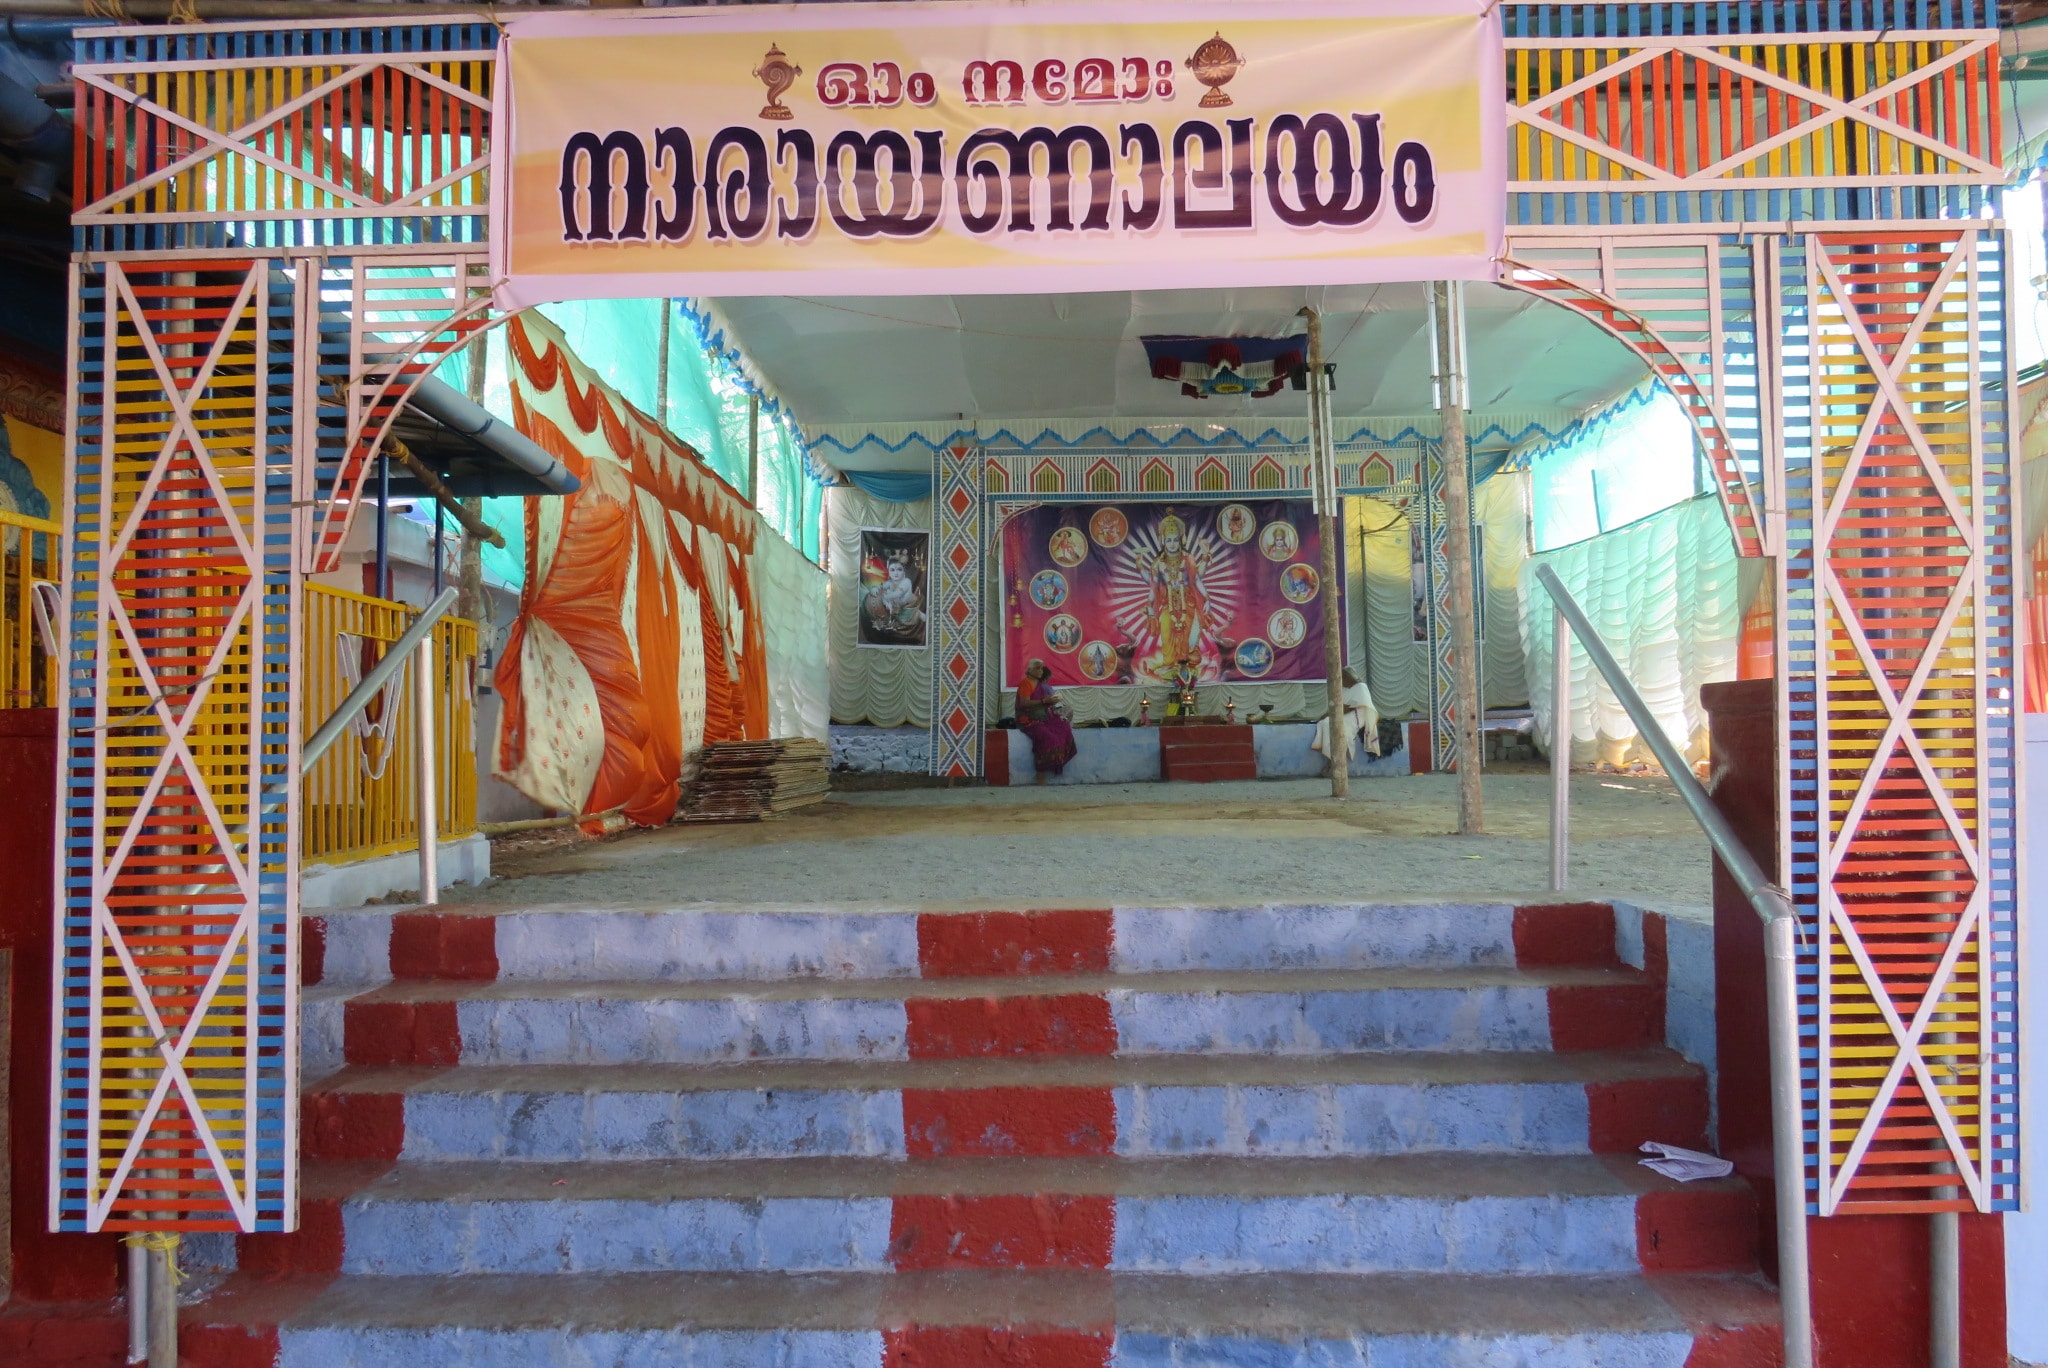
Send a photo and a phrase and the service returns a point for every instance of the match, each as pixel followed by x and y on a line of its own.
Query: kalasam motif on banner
pixel 892 587
pixel 959 148
pixel 1122 593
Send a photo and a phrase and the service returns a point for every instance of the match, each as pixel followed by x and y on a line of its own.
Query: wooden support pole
pixel 754 450
pixel 1448 300
pixel 472 522
pixel 1322 460
pixel 474 604
pixel 668 314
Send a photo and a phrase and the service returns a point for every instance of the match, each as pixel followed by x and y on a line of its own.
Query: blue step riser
pixel 1528 1118
pixel 627 1031
pixel 1318 1234
pixel 766 946
pixel 447 1347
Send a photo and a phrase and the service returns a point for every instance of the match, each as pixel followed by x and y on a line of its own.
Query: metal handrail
pixel 1781 932
pixel 373 680
pixel 324 736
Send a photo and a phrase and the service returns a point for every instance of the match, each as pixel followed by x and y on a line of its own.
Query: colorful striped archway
pixel 1781 206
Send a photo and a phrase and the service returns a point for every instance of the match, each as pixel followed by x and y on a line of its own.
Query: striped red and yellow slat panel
pixel 172 1066
pixel 359 134
pixel 1897 490
pixel 1663 111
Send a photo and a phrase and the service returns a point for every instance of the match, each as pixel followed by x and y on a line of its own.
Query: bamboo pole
pixel 1322 460
pixel 1448 300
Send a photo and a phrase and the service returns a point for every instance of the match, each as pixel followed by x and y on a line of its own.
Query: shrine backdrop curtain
pixel 1379 627
pixel 1665 594
pixel 639 636
pixel 886 688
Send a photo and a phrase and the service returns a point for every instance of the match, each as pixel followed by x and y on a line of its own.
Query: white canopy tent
pixel 848 364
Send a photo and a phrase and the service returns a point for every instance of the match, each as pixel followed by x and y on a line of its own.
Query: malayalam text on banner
pixel 926 149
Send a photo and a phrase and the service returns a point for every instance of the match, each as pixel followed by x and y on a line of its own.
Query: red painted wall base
pixel 46 1267
pixel 1870 1273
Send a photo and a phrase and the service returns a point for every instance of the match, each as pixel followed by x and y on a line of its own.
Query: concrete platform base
pixel 464 860
pixel 1130 755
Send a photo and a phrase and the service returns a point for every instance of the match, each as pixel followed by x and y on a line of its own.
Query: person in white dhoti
pixel 1361 718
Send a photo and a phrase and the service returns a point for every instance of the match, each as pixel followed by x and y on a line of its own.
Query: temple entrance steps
pixel 1361 1136
pixel 1207 754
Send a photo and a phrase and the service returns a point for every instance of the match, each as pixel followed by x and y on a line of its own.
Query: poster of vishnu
pixel 1123 593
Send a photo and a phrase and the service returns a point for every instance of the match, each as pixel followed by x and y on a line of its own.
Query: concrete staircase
pixel 1205 754
pixel 1367 1137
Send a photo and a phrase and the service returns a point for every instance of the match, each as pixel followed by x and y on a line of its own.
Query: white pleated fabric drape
pixel 1665 595
pixel 1384 650
pixel 792 598
pixel 873 685
pixel 1501 507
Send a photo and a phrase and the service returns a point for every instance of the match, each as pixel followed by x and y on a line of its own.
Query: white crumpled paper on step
pixel 1684 1165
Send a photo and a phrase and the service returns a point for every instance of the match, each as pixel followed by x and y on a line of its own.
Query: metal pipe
pixel 1788 1121
pixel 138 1302
pixel 324 737
pixel 1781 932
pixel 38 31
pixel 427 676
pixel 1945 1289
pixel 384 524
pixel 1560 750
pixel 453 409
pixel 162 1250
pixel 38 136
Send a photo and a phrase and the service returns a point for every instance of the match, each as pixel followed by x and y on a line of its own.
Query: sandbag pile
pixel 744 781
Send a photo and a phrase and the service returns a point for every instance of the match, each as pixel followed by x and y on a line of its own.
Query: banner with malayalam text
pixel 958 148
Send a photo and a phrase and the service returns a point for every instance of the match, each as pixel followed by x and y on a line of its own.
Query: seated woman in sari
pixel 1052 736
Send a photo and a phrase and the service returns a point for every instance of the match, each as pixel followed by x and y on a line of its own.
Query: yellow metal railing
pixel 362 797
pixel 28 555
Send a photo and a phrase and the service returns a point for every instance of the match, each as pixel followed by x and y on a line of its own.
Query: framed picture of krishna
pixel 892 588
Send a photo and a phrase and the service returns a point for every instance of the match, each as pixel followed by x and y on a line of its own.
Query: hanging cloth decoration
pixel 637 639
pixel 372 724
pixel 1232 367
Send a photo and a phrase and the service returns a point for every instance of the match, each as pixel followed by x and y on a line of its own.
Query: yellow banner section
pixel 914 149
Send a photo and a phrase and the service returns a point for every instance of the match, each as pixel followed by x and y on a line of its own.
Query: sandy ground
pixel 1270 841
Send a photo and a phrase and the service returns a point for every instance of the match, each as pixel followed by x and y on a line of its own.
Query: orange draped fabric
pixel 1756 650
pixel 611 585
